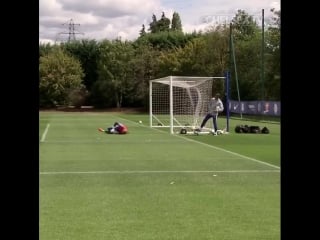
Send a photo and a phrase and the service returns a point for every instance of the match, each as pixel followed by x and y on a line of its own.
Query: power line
pixel 72 30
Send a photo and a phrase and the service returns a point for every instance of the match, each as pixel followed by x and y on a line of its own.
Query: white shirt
pixel 215 106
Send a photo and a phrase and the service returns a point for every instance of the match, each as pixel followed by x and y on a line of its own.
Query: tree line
pixel 115 73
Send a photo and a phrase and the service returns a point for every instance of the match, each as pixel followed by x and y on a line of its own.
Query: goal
pixel 181 102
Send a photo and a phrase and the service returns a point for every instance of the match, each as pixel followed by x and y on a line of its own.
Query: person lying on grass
pixel 117 128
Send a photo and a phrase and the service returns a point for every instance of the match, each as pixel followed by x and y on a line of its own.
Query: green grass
pixel 149 184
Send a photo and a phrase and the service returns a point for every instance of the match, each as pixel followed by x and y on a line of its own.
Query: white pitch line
pixel 191 140
pixel 131 172
pixel 233 153
pixel 221 149
pixel 43 137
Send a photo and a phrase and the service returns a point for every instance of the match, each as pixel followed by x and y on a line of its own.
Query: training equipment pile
pixel 251 129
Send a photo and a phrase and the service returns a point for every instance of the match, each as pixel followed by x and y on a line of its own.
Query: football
pixel 219 132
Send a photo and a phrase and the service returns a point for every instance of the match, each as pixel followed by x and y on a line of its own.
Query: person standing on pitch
pixel 117 128
pixel 215 106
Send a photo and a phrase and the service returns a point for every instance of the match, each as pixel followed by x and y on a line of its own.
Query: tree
pixel 143 31
pixel 145 68
pixel 189 60
pixel 114 83
pixel 166 40
pixel 45 48
pixel 60 75
pixel 273 76
pixel 273 32
pixel 153 26
pixel 176 24
pixel 248 61
pixel 87 52
pixel 163 25
pixel 243 25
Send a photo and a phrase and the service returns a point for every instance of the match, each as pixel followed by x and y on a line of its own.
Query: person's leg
pixel 215 125
pixel 110 130
pixel 204 121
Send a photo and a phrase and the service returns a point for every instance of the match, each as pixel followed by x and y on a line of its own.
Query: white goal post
pixel 180 102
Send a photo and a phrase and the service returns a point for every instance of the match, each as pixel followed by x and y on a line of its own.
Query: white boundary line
pixel 233 153
pixel 217 148
pixel 132 172
pixel 236 154
pixel 43 137
pixel 224 150
pixel 188 139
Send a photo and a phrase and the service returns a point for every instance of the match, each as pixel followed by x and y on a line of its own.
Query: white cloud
pixel 109 19
pixel 45 41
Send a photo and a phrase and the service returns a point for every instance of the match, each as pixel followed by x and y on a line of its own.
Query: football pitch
pixel 151 185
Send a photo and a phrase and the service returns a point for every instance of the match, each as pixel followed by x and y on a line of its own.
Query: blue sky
pixel 111 19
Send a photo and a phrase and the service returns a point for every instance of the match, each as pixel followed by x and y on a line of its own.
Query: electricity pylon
pixel 72 32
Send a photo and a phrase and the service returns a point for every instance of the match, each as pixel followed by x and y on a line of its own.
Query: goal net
pixel 178 102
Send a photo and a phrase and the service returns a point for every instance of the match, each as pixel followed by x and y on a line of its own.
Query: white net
pixel 179 102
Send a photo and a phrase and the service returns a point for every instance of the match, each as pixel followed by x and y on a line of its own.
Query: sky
pixel 123 19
